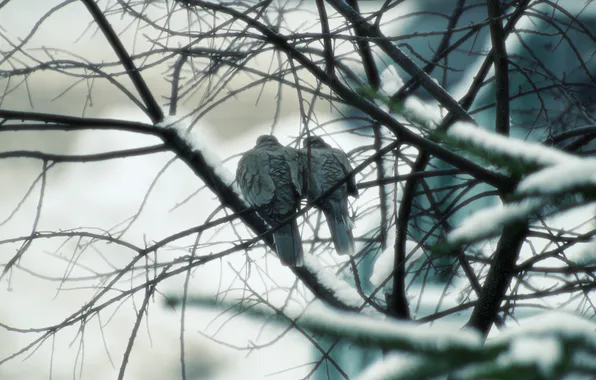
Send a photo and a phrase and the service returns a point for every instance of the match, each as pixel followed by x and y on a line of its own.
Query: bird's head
pixel 267 140
pixel 314 142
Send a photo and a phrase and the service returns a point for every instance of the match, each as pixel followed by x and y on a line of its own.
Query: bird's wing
pixel 312 167
pixel 254 178
pixel 344 162
pixel 296 169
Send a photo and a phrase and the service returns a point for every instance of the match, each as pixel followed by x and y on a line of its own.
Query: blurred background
pixel 97 195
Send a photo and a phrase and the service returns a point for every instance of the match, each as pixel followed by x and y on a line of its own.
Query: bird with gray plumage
pixel 323 168
pixel 270 179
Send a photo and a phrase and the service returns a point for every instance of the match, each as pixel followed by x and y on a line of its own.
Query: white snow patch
pixel 559 323
pixel 391 82
pixel 585 255
pixel 545 352
pixel 560 178
pixel 514 148
pixel 421 114
pixel 389 366
pixel 540 339
pixel 485 223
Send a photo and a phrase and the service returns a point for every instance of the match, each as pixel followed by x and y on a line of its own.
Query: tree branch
pixel 442 51
pixel 498 277
pixel 154 111
pixel 356 100
pixel 399 57
pixel 497 36
pixel 503 263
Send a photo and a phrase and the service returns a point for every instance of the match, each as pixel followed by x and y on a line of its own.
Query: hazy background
pixel 104 194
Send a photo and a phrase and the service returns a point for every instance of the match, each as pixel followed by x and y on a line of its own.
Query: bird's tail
pixel 340 227
pixel 289 245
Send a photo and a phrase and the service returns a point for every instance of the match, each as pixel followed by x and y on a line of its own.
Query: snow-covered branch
pixel 549 175
pixel 549 346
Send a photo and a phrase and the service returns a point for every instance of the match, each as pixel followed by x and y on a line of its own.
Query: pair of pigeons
pixel 273 179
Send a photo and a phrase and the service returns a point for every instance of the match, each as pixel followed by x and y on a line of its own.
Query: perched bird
pixel 270 179
pixel 323 167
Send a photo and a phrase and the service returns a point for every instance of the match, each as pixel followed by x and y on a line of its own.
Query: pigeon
pixel 323 167
pixel 270 179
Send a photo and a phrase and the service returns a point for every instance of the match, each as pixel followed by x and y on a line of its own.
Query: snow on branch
pixel 366 330
pixel 208 167
pixel 211 158
pixel 391 82
pixel 488 223
pixel 559 179
pixel 389 333
pixel 508 148
pixel 414 110
pixel 550 175
pixel 552 342
pixel 399 364
pixel 549 346
pixel 343 291
pixel 421 114
pixel 585 255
